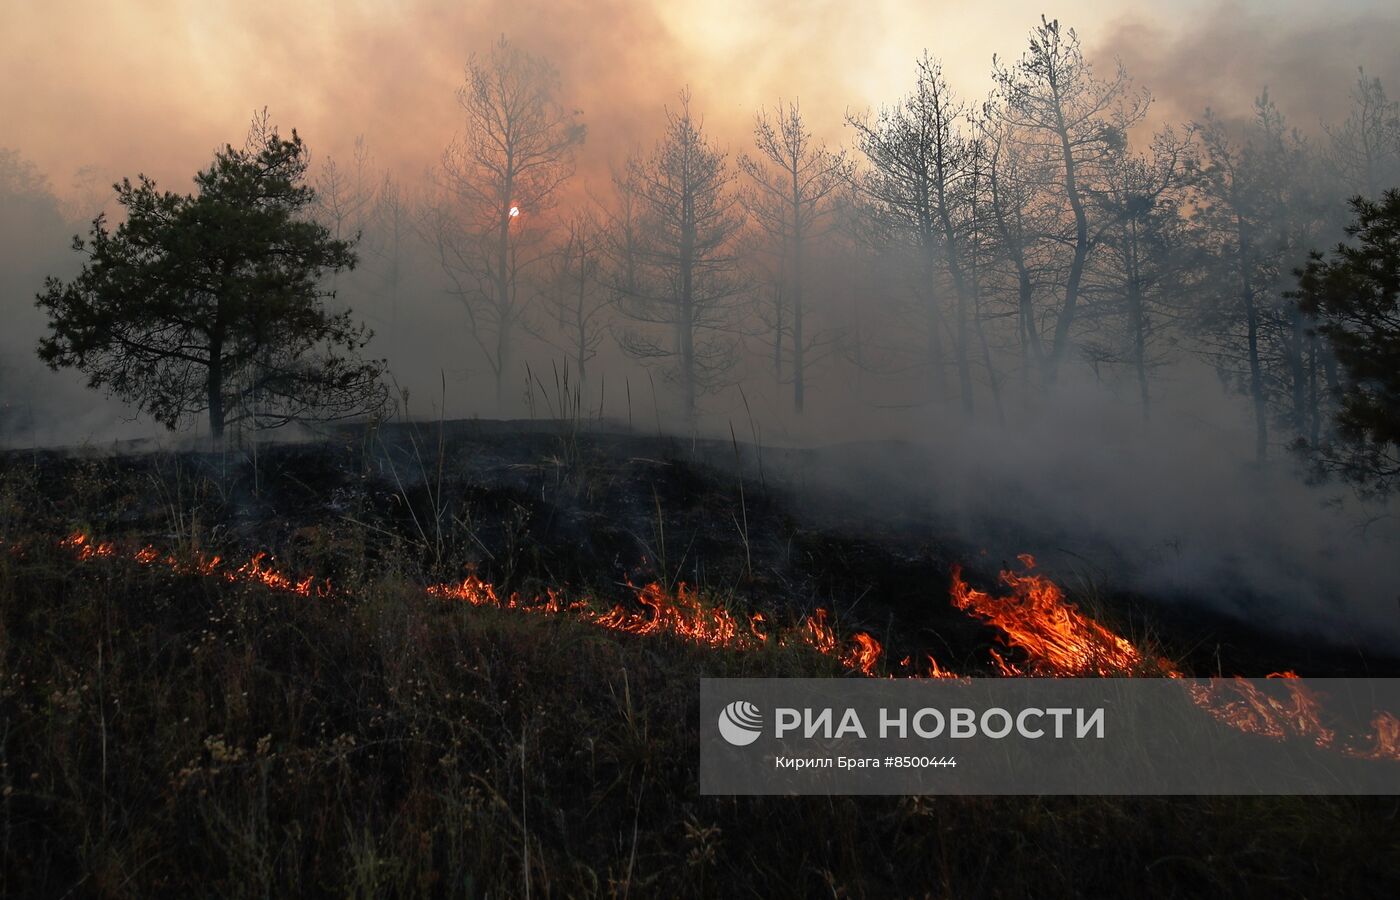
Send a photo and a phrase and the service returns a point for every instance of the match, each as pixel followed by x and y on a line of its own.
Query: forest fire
pixel 1057 639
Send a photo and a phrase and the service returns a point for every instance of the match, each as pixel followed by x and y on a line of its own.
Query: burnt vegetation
pixel 168 732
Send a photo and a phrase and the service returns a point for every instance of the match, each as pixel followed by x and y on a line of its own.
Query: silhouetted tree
pixel 575 295
pixel 1365 148
pixel 344 194
pixel 791 199
pixel 213 302
pixel 1017 234
pixel 501 178
pixel 1255 212
pixel 687 279
pixel 391 226
pixel 1069 124
pixel 920 184
pixel 1354 297
pixel 1144 261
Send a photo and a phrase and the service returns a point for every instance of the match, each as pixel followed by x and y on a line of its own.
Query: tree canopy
pixel 1354 295
pixel 216 302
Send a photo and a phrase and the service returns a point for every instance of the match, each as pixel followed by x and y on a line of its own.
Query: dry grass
pixel 166 735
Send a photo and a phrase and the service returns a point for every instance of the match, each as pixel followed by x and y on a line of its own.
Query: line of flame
pixel 679 613
pixel 1056 638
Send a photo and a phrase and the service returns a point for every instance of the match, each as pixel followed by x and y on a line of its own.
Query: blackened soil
pixel 530 504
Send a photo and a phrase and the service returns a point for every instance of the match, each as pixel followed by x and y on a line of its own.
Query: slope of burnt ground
pixel 536 505
pixel 165 734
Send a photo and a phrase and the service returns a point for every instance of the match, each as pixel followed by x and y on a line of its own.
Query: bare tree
pixel 1016 233
pixel 1256 214
pixel 501 178
pixel 921 183
pixel 622 237
pixel 1143 261
pixel 791 200
pixel 1068 124
pixel 575 294
pixel 392 221
pixel 687 275
pixel 1365 149
pixel 344 194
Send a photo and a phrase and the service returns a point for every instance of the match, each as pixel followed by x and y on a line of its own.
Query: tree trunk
pixel 993 379
pixel 1031 350
pixel 685 320
pixel 938 379
pixel 1297 369
pixel 502 364
pixel 581 322
pixel 1137 323
pixel 1256 374
pixel 1138 326
pixel 1314 394
pixel 1081 253
pixel 960 350
pixel 955 272
pixel 503 286
pixel 215 388
pixel 778 334
pixel 799 362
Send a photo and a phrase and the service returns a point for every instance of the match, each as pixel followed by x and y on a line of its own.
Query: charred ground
pixel 530 505
pixel 157 724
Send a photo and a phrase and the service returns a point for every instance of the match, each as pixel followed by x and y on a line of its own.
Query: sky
pixel 157 85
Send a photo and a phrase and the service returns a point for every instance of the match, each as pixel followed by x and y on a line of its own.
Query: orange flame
pixel 818 633
pixel 1385 738
pixel 1060 640
pixel 864 654
pixel 1036 617
pixel 1242 705
pixel 937 671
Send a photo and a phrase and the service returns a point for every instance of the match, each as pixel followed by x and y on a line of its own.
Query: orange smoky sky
pixel 156 85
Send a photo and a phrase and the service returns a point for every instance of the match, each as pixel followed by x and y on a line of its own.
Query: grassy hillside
pixel 168 734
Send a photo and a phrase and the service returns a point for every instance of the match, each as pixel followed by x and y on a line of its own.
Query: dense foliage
pixel 1354 296
pixel 216 302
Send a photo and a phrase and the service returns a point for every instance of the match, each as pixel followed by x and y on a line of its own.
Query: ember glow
pixel 1056 638
pixel 257 570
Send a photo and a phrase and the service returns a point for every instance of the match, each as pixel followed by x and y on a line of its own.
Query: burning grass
pixel 1035 617
pixel 177 723
pixel 172 732
pixel 681 613
pixel 1056 637
pixel 1059 640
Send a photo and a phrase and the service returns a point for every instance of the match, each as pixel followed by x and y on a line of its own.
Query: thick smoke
pixel 1226 56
